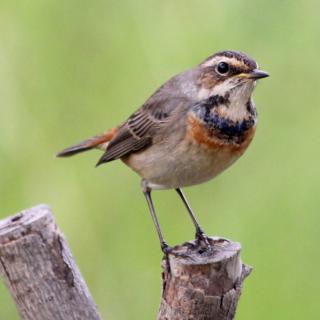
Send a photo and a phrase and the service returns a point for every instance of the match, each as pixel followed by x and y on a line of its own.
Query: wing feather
pixel 138 131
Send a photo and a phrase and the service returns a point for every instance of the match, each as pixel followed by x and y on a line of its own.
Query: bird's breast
pixel 194 157
pixel 212 153
pixel 215 133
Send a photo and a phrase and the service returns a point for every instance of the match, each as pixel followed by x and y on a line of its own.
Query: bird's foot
pixel 166 249
pixel 203 241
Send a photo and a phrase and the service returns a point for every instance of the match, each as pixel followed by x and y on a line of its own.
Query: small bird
pixel 193 127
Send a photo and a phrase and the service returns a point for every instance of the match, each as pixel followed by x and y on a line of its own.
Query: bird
pixel 196 125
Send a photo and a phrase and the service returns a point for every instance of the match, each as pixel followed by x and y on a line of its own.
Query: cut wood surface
pixel 202 284
pixel 45 283
pixel 38 269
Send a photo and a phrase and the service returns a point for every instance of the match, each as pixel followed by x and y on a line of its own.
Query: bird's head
pixel 229 73
pixel 229 77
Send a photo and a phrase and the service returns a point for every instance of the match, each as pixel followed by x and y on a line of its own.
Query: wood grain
pixel 202 285
pixel 45 283
pixel 39 270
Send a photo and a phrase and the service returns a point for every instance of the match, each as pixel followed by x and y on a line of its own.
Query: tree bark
pixel 37 266
pixel 38 269
pixel 202 284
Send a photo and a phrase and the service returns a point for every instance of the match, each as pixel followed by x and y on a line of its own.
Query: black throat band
pixel 222 127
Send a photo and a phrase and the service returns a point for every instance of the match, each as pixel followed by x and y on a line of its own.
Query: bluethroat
pixel 193 127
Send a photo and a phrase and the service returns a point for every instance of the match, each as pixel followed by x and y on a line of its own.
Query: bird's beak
pixel 255 74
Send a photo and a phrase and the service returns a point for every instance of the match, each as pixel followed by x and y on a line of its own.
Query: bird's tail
pixel 98 142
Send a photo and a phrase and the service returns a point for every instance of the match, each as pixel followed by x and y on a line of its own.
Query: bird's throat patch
pixel 215 131
pixel 217 126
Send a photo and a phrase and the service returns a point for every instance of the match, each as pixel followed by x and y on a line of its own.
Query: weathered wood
pixel 202 285
pixel 38 269
pixel 45 283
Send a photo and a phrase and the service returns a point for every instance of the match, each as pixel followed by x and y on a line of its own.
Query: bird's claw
pixel 203 241
pixel 166 249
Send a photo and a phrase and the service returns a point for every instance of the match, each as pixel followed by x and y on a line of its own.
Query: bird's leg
pixel 200 234
pixel 147 193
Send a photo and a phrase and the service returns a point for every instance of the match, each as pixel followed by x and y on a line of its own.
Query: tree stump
pixel 202 284
pixel 38 269
pixel 45 283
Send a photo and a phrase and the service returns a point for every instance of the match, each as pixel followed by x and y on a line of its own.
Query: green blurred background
pixel 71 69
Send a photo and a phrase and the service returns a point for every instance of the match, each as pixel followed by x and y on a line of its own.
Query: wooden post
pixel 38 269
pixel 45 283
pixel 202 285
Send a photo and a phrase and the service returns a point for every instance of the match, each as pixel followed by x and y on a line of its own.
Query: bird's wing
pixel 139 130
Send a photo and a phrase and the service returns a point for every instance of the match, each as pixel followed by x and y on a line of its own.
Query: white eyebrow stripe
pixel 232 61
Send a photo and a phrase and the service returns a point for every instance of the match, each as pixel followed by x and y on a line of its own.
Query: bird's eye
pixel 222 67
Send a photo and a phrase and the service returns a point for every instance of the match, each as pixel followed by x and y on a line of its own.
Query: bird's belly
pixel 184 164
pixel 188 169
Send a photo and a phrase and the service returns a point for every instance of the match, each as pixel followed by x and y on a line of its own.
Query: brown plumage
pixel 95 142
pixel 192 128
